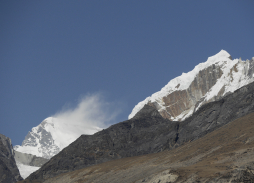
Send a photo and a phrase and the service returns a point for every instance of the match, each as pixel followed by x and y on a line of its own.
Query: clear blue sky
pixel 52 52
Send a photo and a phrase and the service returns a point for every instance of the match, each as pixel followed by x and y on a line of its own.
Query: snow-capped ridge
pixel 226 67
pixel 51 136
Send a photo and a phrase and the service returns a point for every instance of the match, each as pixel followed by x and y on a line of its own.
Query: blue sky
pixel 53 53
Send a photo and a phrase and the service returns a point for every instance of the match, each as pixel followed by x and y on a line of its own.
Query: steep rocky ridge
pixel 216 114
pixel 181 101
pixel 8 168
pixel 208 81
pixel 147 132
pixel 225 155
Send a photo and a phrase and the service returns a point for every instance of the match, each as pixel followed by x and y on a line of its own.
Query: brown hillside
pixel 224 155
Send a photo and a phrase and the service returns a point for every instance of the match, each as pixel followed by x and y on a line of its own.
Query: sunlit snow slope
pixel 26 170
pixel 207 82
pixel 51 136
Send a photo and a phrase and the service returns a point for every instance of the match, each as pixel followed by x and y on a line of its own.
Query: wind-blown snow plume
pixel 92 114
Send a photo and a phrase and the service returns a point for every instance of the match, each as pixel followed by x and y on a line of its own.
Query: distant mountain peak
pixel 50 137
pixel 222 53
pixel 207 82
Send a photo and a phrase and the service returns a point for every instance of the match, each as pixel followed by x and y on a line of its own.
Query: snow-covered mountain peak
pixel 215 59
pixel 183 82
pixel 49 120
pixel 220 55
pixel 215 77
pixel 51 136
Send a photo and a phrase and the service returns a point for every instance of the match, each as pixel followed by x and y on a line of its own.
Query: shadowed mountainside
pixel 8 169
pixel 224 155
pixel 147 133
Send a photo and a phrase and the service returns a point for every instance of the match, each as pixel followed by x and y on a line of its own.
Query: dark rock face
pixel 8 169
pixel 183 100
pixel 29 159
pixel 216 114
pixel 245 175
pixel 147 132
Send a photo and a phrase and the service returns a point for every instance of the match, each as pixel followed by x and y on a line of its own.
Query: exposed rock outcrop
pixel 225 155
pixel 146 133
pixel 207 82
pixel 8 168
pixel 181 101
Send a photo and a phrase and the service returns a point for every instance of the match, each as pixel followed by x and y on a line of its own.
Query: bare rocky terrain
pixel 8 169
pixel 224 155
pixel 181 151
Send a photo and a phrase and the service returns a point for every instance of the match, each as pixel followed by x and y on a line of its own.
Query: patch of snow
pixel 26 170
pixel 184 114
pixel 28 150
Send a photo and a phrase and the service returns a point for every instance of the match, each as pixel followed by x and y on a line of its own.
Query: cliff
pixel 8 168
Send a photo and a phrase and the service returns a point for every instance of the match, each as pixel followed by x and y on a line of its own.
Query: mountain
pixel 51 136
pixel 147 132
pixel 8 168
pixel 150 128
pixel 207 82
pixel 179 99
pixel 225 155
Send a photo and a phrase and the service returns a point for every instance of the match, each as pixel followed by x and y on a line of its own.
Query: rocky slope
pixel 8 168
pixel 207 82
pixel 147 132
pixel 225 155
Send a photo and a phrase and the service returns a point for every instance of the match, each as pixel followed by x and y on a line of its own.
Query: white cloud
pixel 91 112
